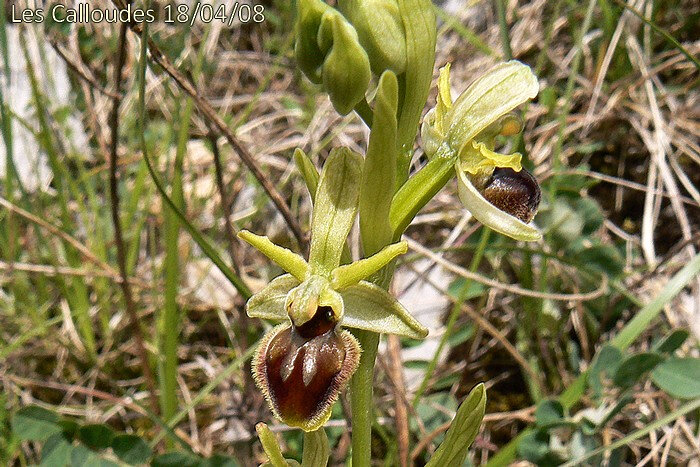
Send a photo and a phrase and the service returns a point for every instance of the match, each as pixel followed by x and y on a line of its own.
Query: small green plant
pixel 302 365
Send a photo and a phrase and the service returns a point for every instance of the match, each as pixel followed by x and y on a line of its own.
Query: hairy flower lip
pixel 297 378
pixel 490 215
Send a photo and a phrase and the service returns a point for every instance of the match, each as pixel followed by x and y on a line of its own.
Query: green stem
pixel 361 391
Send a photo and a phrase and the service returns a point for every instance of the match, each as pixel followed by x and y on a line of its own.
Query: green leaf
pixel 131 449
pixel 606 362
pixel 372 308
pixel 82 456
pixel 549 412
pixel 463 430
pixel 634 366
pixel 334 209
pixel 219 461
pixel 316 450
pixel 285 258
pixel 34 423
pixel 269 302
pixel 96 437
pixel 417 191
pixel 176 459
pixel 379 174
pixel 56 451
pixel 680 377
pixel 672 342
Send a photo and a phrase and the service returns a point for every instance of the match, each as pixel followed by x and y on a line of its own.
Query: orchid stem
pixel 361 392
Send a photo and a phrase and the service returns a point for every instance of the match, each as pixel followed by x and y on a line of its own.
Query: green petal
pixel 269 302
pixel 351 274
pixel 490 215
pixel 491 96
pixel 372 308
pixel 286 259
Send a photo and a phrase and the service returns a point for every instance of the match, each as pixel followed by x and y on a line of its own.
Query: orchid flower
pixel 494 187
pixel 302 365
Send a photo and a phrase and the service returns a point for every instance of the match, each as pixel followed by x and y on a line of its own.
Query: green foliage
pixel 66 442
pixel 680 377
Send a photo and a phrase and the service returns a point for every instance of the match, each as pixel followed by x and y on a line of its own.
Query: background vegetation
pixel 589 338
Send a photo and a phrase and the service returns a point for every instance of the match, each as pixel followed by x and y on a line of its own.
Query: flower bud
pixel 380 30
pixel 306 50
pixel 516 193
pixel 302 369
pixel 345 71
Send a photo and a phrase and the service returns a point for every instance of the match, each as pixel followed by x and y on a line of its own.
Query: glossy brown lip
pixel 302 375
pixel 515 193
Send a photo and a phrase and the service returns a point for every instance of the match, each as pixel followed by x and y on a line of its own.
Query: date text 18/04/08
pixel 171 14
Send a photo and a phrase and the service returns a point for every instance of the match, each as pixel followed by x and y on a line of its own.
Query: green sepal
pixel 379 174
pixel 345 71
pixel 286 259
pixel 269 302
pixel 463 430
pixel 500 90
pixel 490 215
pixel 350 274
pixel 308 171
pixel 380 29
pixel 308 54
pixel 335 207
pixel 421 31
pixel 272 448
pixel 369 307
pixel 417 191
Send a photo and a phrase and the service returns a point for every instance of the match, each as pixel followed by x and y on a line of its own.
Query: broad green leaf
pixel 633 367
pixel 96 436
pixel 176 459
pixel 463 430
pixel 500 90
pixel 308 171
pixel 350 274
pixel 56 451
pixel 219 461
pixel 131 449
pixel 372 308
pixel 606 362
pixel 379 174
pixel 334 209
pixel 83 457
pixel 34 423
pixel 672 342
pixel 285 258
pixel 417 191
pixel 490 215
pixel 549 412
pixel 316 450
pixel 269 302
pixel 680 377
